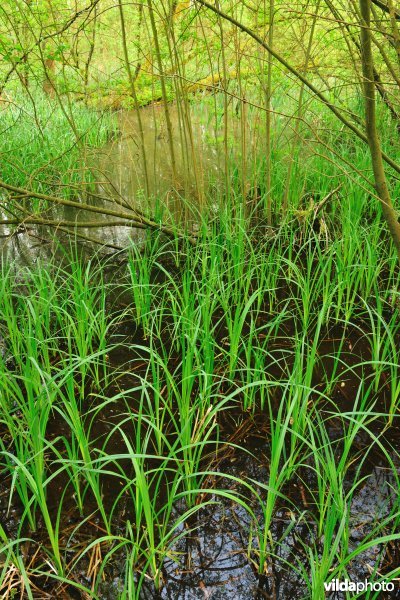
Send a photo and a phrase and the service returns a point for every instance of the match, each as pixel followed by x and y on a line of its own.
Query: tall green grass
pixel 42 150
pixel 115 391
pixel 236 324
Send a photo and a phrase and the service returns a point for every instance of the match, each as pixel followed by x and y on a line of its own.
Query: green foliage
pixel 116 391
pixel 45 149
pixel 241 326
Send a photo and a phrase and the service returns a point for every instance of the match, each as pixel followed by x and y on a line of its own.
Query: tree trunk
pixel 268 158
pixel 371 127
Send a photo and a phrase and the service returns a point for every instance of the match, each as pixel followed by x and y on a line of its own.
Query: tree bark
pixel 268 116
pixel 371 129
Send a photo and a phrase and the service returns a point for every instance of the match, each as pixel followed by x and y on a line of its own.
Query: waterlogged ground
pixel 215 558
pixel 213 562
pixel 260 328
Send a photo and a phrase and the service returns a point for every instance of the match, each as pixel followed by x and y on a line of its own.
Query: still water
pixel 120 173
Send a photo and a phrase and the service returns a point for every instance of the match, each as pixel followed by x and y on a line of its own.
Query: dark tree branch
pixel 386 9
pixel 320 95
pixel 135 216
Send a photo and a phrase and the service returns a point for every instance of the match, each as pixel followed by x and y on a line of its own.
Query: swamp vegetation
pixel 199 299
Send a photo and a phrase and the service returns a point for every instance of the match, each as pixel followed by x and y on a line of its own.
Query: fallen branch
pixel 33 220
pixel 133 218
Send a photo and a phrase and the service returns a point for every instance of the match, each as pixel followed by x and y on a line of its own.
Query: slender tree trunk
pixel 134 96
pixel 25 34
pixel 163 91
pixel 339 113
pixel 371 127
pixel 92 43
pixel 268 182
pixel 226 116
pixel 351 38
pixel 299 113
pixel 395 29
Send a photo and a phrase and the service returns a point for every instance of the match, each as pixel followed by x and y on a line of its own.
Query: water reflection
pixel 122 164
pixel 119 171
